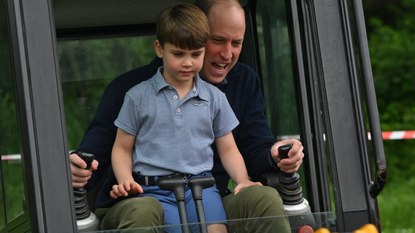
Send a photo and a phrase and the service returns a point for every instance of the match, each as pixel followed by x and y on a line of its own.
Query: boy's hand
pixel 80 175
pixel 126 188
pixel 245 184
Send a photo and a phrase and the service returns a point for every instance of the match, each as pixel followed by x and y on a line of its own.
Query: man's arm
pixel 253 136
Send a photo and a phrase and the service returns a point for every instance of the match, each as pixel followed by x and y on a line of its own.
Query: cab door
pixel 316 90
pixel 35 86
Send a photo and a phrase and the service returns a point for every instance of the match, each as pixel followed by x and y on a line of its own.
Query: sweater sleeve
pixel 254 137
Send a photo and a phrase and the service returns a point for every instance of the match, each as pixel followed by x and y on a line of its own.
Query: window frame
pixel 41 119
pixel 329 71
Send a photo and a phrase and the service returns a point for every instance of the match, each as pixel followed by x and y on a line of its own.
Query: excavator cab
pixel 312 56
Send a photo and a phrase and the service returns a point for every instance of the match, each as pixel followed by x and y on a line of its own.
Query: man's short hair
pixel 183 25
pixel 206 5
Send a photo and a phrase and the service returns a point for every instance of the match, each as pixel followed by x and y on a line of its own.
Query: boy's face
pixel 180 65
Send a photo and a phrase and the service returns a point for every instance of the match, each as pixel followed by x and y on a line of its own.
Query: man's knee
pixel 265 194
pixel 254 201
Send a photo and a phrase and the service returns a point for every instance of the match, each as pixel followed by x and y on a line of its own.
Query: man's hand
pixel 80 175
pixel 126 188
pixel 296 155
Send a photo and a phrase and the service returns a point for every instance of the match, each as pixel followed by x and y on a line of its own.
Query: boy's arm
pixel 122 163
pixel 232 161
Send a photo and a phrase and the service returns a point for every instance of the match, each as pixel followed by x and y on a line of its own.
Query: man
pixel 253 137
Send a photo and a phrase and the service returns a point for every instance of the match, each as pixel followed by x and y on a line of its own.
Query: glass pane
pixel 315 221
pixel 277 69
pixel 13 191
pixel 88 66
pixel 277 72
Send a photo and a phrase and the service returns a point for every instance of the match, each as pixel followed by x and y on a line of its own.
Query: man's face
pixel 227 29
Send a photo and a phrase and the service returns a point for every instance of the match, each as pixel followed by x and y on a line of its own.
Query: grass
pixel 397 206
pixel 397 200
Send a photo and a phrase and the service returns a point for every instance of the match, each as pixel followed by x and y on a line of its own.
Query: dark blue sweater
pixel 243 90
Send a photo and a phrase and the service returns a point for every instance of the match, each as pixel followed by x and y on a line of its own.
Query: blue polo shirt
pixel 174 135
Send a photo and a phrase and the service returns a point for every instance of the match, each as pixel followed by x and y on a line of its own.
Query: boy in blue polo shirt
pixel 168 123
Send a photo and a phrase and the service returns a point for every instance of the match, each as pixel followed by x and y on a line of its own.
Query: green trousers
pixel 252 210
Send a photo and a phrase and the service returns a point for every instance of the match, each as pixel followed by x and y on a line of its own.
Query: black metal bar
pixel 378 184
pixel 355 82
pixel 344 105
pixel 41 118
pixel 106 31
pixel 197 185
pixel 177 184
pixel 319 115
pixel 306 131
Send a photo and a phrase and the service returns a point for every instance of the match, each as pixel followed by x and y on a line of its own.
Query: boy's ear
pixel 158 48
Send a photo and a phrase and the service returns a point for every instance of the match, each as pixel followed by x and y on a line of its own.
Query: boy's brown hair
pixel 183 25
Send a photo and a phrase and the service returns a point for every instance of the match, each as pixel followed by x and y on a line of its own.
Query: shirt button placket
pixel 177 113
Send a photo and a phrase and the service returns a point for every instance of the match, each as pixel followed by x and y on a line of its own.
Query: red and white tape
pixel 396 135
pixel 10 157
pixel 386 135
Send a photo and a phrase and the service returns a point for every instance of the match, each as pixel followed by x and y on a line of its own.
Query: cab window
pixel 87 66
pixel 13 205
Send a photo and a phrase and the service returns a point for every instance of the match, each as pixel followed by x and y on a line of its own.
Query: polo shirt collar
pixel 198 89
pixel 158 80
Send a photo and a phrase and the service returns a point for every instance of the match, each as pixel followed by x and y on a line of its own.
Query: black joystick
pixel 86 220
pixel 289 186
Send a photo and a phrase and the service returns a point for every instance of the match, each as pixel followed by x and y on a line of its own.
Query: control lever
pixel 289 188
pixel 177 184
pixel 289 183
pixel 197 185
pixel 85 219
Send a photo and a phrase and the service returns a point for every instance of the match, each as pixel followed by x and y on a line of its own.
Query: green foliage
pixel 392 50
pixel 400 155
pixel 392 53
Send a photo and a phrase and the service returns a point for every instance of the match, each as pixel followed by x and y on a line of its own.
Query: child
pixel 168 123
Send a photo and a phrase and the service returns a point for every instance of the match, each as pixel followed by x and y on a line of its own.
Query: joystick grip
pixel 283 151
pixel 87 157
